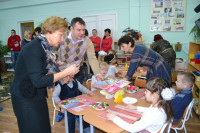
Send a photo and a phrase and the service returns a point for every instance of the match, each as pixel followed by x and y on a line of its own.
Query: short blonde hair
pixel 103 64
pixel 26 33
pixel 53 24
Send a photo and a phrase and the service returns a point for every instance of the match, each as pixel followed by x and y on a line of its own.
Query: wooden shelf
pixel 196 66
pixel 194 49
pixel 124 54
pixel 7 56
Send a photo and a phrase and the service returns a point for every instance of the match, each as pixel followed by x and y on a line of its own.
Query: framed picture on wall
pixel 167 15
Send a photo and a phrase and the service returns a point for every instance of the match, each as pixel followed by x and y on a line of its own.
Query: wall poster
pixel 167 15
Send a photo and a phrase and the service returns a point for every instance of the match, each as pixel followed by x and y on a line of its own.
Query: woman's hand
pixel 110 116
pixel 131 107
pixel 71 70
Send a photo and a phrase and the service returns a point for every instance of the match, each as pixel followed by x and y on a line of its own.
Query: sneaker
pixel 59 117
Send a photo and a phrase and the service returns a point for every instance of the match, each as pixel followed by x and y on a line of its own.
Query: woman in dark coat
pixel 164 48
pixel 29 88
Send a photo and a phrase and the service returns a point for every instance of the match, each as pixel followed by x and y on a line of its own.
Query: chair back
pixel 140 82
pixel 166 125
pixel 88 83
pixel 186 116
pixel 52 90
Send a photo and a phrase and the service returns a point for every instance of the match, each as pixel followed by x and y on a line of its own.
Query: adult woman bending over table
pixel 143 56
pixel 29 88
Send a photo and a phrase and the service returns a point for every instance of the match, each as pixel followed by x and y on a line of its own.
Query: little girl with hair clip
pixel 110 59
pixel 153 117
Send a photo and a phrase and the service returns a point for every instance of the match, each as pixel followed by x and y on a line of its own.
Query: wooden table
pixel 104 124
pixel 136 74
pixel 80 114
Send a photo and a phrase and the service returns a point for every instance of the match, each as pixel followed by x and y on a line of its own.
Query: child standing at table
pixel 103 70
pixel 185 81
pixel 153 117
pixel 112 69
pixel 70 89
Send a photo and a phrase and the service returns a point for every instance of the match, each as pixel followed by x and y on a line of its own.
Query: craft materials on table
pixel 99 105
pixel 109 81
pixel 118 85
pixel 131 89
pixel 139 95
pixel 127 115
pixel 77 103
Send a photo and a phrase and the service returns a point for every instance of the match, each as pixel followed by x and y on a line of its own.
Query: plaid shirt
pixel 143 56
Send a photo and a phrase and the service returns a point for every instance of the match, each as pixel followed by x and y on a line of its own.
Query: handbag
pixel 27 89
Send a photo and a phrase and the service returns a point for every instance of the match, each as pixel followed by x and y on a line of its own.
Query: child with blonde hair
pixel 185 81
pixel 153 117
pixel 103 70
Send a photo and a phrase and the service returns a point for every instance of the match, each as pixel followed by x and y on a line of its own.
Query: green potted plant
pixel 4 49
pixel 196 33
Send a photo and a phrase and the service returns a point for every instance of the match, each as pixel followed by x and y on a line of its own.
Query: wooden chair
pixel 186 116
pixel 54 105
pixel 140 81
pixel 88 83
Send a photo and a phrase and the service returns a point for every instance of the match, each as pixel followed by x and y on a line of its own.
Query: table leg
pixel 81 123
pixel 66 122
pixel 91 129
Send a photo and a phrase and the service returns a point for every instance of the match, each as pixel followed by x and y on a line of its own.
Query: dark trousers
pixel 32 116
pixel 80 75
pixel 71 123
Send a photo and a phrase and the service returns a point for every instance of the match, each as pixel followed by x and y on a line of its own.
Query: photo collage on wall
pixel 167 15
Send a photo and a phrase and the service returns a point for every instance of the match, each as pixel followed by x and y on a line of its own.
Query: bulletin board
pixel 167 15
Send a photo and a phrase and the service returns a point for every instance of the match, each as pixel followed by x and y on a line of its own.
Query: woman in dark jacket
pixel 164 48
pixel 29 88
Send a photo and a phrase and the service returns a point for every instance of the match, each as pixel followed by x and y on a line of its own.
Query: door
pixel 102 22
pixel 26 26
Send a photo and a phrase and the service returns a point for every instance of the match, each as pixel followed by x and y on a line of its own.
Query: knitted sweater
pixel 72 52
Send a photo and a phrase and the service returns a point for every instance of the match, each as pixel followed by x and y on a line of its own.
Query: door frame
pixel 20 28
pixel 111 13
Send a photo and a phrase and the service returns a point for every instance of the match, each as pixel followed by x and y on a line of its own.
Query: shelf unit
pixel 125 58
pixel 194 49
pixel 9 63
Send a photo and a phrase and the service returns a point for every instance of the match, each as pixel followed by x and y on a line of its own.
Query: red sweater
pixel 12 40
pixel 106 44
pixel 96 41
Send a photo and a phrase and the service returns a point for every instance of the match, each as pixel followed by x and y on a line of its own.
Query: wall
pixel 130 13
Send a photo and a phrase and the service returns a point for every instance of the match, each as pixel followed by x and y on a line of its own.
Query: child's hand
pixel 110 116
pixel 99 78
pixel 90 93
pixel 131 107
